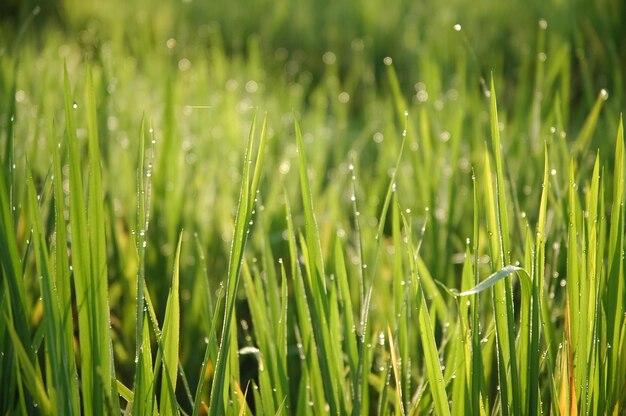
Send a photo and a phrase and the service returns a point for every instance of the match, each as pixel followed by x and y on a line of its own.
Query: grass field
pixel 312 207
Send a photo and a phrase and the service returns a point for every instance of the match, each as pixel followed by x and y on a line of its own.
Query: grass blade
pixel 170 341
pixel 58 352
pixel 427 335
pixel 31 374
pixel 240 235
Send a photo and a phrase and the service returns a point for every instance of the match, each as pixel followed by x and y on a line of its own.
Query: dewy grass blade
pixel 304 330
pixel 12 268
pixel 477 376
pixel 99 278
pixel 350 335
pixel 614 303
pixel 402 302
pixel 142 373
pixel 361 374
pixel 32 375
pixel 315 284
pixel 582 141
pixel 260 321
pixel 242 229
pixel 504 297
pixel 93 398
pixel 62 272
pixel 143 400
pixel 57 350
pixel 170 341
pixel 311 230
pixel 532 403
pixel 495 278
pixel 396 371
pixel 427 334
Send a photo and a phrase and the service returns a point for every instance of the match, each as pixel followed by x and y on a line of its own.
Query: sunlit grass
pixel 390 239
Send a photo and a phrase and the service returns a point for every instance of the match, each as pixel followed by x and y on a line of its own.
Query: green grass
pixel 383 213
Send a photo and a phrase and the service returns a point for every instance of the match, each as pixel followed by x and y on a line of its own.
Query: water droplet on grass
pixel 604 94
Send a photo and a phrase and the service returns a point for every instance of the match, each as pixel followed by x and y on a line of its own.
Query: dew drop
pixel 604 94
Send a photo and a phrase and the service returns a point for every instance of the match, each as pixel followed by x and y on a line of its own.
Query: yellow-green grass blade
pixel 396 372
pixel 575 285
pixel 499 294
pixel 260 320
pixel 532 402
pixel 99 278
pixel 362 375
pixel 143 399
pixel 320 339
pixel 402 303
pixel 335 338
pixel 593 266
pixel 58 352
pixel 582 141
pixel 282 336
pixel 504 298
pixel 93 391
pixel 462 389
pixel 349 326
pixel 315 285
pixel 62 271
pixel 396 92
pixel 12 272
pixel 496 277
pixel 210 353
pixel 614 297
pixel 31 373
pixel 477 377
pixel 240 235
pixel 143 364
pixel 315 260
pixel 304 331
pixel 427 334
pixel 170 341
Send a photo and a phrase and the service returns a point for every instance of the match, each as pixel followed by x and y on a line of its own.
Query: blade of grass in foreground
pixel 532 402
pixel 427 334
pixel 500 252
pixel 143 363
pixel 56 349
pixel 315 284
pixel 615 279
pixel 240 236
pixel 209 353
pixel 93 400
pixel 32 375
pixel 310 389
pixel 62 270
pixel 170 341
pixel 12 272
pixel 99 279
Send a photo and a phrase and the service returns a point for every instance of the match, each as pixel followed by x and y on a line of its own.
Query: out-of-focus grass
pixel 387 173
